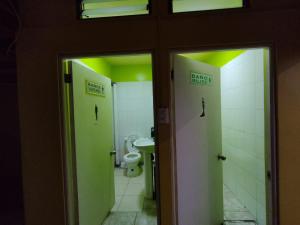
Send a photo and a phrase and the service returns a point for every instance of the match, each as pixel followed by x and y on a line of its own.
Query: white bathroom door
pixel 92 99
pixel 198 142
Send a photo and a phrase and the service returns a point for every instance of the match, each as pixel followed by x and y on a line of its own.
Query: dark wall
pixel 10 164
pixel 52 30
pixel 11 197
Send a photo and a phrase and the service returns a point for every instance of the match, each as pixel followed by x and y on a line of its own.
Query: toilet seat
pixel 132 157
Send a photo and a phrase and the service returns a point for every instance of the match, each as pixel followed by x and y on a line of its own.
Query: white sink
pixel 145 145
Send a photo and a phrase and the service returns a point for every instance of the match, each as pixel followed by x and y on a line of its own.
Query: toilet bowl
pixel 132 158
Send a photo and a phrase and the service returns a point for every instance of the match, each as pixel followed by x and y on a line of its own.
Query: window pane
pixel 202 5
pixel 110 8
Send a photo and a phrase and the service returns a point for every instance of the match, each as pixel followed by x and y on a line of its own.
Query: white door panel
pixel 198 144
pixel 94 142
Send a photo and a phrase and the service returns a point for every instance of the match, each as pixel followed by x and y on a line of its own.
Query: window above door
pixel 111 8
pixel 204 5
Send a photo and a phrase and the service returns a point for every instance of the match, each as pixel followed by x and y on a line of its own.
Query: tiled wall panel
pixel 242 82
pixel 135 110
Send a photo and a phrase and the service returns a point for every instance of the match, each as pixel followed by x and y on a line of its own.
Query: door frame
pixel 68 129
pixel 69 145
pixel 271 150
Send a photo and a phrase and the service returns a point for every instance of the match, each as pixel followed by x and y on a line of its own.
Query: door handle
pixel 113 153
pixel 221 157
pixel 203 108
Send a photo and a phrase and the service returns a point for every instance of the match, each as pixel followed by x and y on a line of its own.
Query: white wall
pixel 242 82
pixel 135 110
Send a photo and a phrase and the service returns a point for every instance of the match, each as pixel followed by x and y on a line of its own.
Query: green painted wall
pixel 215 58
pixel 126 73
pixel 99 65
pixel 120 73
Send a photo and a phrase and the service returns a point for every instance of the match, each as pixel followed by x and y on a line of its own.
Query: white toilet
pixel 132 158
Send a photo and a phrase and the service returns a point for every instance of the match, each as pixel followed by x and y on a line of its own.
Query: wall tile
pixel 260 122
pixel 135 110
pixel 242 90
pixel 261 214
pixel 259 95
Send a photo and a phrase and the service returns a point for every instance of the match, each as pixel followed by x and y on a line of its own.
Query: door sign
pixel 200 79
pixel 95 88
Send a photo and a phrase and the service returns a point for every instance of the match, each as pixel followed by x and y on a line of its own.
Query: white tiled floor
pixel 130 206
pixel 129 192
pixel 132 209
pixel 234 211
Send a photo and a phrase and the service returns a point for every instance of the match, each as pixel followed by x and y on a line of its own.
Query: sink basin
pixel 145 145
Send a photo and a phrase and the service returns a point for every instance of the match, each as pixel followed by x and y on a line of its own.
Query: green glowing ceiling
pixel 214 58
pixel 122 60
pixel 122 68
pixel 128 59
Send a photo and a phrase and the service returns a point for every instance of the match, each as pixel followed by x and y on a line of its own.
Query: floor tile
pixel 238 215
pixel 139 179
pixel 130 199
pixel 119 172
pixel 149 204
pixel 121 179
pixel 239 223
pixel 119 218
pixel 234 209
pixel 150 212
pixel 146 218
pixel 117 203
pixel 131 203
pixel 232 204
pixel 120 188
pixel 134 189
pixel 130 206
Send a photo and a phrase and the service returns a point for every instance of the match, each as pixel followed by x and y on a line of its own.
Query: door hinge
pixel 172 74
pixel 269 175
pixel 68 78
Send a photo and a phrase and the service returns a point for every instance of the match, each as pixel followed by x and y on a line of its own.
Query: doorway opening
pixel 222 114
pixel 110 160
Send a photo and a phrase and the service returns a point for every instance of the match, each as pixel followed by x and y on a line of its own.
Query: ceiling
pixel 121 60
pixel 214 58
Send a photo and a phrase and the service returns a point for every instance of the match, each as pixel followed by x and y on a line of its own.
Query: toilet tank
pixel 129 143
